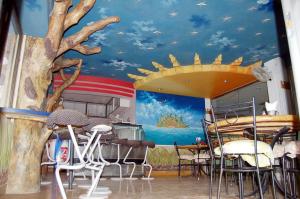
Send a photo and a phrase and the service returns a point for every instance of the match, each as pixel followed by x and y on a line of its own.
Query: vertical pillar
pixel 291 13
pixel 207 109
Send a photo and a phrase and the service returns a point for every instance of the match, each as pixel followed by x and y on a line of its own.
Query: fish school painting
pixel 170 118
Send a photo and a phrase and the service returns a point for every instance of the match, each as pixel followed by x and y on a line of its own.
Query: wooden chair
pixel 184 160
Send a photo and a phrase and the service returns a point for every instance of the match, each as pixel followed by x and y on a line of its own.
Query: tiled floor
pixel 159 188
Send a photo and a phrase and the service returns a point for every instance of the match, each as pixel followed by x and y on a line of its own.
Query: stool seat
pixel 149 144
pixel 66 117
pixel 101 128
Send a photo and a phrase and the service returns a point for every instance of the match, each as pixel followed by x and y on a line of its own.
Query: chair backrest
pixel 227 119
pixel 76 147
pixel 209 140
pixel 176 148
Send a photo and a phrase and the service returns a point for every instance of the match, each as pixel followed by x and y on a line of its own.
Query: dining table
pixel 194 148
pixel 265 124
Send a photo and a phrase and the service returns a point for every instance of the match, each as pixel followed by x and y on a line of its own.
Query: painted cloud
pixel 221 41
pixel 143 34
pixel 120 64
pixel 150 108
pixel 261 52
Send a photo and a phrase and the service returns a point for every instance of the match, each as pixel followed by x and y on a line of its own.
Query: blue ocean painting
pixel 170 118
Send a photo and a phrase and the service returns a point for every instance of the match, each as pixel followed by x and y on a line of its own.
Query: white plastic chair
pixel 82 163
pixel 145 163
pixel 102 159
pixel 132 144
pixel 51 159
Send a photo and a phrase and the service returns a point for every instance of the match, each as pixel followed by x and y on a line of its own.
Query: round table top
pixel 264 124
pixel 192 146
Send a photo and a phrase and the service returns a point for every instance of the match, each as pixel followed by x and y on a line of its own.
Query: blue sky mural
pixel 153 108
pixel 151 29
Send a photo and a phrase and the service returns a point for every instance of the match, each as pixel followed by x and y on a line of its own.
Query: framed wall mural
pixel 168 118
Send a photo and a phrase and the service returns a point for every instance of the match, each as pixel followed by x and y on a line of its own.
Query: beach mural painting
pixel 168 118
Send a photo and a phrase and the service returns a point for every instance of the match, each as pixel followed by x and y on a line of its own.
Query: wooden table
pixel 264 123
pixel 267 125
pixel 13 113
pixel 195 148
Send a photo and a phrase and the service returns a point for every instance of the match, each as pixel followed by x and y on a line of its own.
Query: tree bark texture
pixel 24 166
pixel 42 57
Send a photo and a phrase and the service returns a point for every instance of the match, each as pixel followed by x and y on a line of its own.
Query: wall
pixel 170 118
pixel 278 87
pixel 259 90
pixel 291 13
pixel 98 90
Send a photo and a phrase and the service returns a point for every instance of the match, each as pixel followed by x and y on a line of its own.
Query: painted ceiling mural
pixel 151 29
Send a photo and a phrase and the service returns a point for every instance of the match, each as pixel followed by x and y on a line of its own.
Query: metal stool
pixel 145 163
pixel 132 144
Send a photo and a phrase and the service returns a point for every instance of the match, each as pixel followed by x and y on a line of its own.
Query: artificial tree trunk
pixel 42 57
pixel 24 167
pixel 23 173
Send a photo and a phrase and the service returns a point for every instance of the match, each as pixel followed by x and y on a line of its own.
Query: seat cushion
pixel 202 156
pixel 217 151
pixel 278 150
pixel 293 148
pixel 245 148
pixel 187 157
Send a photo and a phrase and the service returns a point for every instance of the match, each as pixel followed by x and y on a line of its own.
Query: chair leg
pixel 134 165
pixel 120 168
pixel 259 184
pixel 179 167
pixel 273 185
pixel 96 181
pixel 211 179
pixel 284 176
pixel 253 181
pixel 60 184
pixel 241 182
pixel 130 163
pixel 226 182
pixel 220 178
pixel 294 192
pixel 149 174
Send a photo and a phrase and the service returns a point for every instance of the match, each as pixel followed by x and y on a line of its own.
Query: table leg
pixel 71 177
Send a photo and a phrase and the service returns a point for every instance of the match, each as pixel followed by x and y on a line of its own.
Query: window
pixel 9 61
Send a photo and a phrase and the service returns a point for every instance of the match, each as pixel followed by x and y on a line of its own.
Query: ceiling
pixel 150 30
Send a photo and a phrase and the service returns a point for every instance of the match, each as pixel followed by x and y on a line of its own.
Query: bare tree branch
pixel 61 63
pixel 73 40
pixel 56 27
pixel 53 100
pixel 78 12
pixel 87 50
pixel 62 74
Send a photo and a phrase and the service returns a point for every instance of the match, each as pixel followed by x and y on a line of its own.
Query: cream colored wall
pixel 276 92
pixel 291 13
